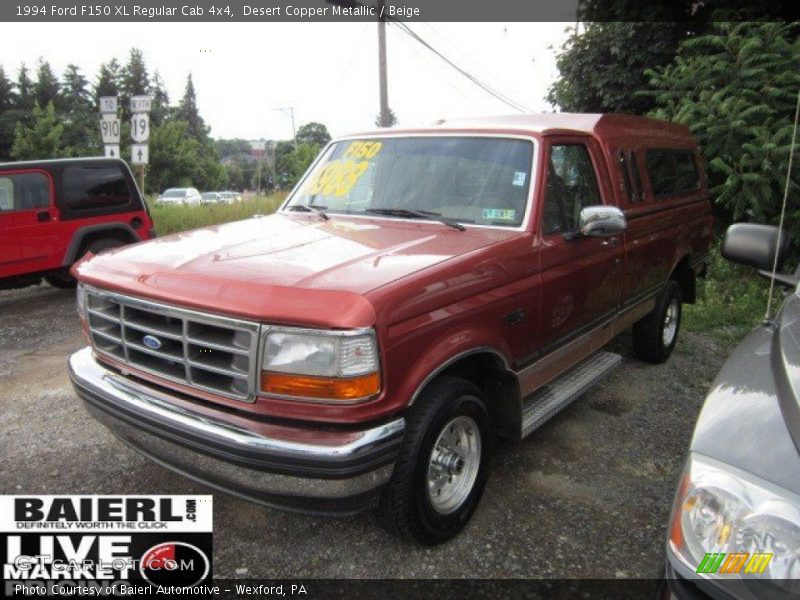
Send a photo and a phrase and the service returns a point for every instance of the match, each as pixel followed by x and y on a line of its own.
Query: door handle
pixel 43 216
pixel 610 242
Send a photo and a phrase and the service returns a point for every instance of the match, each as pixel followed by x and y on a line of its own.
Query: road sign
pixel 108 105
pixel 112 150
pixel 140 154
pixel 140 104
pixel 109 129
pixel 140 127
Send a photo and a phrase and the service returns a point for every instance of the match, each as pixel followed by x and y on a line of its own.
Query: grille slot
pixel 207 352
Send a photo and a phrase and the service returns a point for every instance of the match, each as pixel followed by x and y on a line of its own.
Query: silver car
pixel 179 196
pixel 735 525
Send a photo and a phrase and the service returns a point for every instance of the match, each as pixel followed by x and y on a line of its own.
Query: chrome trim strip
pixel 118 391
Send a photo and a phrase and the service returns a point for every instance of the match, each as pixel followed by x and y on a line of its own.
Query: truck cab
pixel 418 293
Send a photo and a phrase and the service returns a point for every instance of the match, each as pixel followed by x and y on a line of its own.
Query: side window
pixel 671 172
pixel 571 186
pixel 636 176
pixel 90 187
pixel 630 195
pixel 24 191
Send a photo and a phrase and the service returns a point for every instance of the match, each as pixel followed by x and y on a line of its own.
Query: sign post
pixel 140 134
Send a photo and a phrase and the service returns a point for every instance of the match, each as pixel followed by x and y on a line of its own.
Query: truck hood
pixel 287 268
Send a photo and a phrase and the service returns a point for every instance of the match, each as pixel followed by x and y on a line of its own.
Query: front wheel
pixel 655 335
pixel 443 464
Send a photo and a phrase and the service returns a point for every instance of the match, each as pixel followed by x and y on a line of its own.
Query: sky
pixel 327 72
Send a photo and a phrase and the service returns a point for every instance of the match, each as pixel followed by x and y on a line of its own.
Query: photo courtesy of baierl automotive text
pixel 375 299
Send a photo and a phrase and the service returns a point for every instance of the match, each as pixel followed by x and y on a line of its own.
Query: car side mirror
pixel 602 221
pixel 755 245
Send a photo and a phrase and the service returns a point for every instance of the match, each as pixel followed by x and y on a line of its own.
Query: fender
pixel 77 239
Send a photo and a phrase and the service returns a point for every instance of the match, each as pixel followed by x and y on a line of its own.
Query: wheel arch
pixel 683 274
pixel 88 234
pixel 490 371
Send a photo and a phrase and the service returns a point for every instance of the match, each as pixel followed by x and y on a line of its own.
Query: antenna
pixel 778 241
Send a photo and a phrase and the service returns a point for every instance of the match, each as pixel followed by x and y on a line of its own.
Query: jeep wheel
pixel 655 335
pixel 62 279
pixel 443 464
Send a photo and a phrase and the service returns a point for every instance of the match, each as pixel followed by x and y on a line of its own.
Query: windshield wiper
pixel 311 208
pixel 406 213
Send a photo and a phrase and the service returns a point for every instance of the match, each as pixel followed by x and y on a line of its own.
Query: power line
pixel 484 86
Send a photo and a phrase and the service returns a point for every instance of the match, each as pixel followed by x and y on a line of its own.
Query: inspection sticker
pixel 519 178
pixel 104 545
pixel 499 214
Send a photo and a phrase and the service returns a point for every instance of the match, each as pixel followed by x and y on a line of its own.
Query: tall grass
pixel 731 300
pixel 170 218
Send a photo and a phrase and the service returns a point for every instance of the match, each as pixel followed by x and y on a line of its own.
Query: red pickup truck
pixel 419 292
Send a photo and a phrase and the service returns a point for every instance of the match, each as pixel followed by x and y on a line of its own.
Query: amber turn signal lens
pixel 324 388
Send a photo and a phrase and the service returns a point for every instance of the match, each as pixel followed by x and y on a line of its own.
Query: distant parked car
pixel 179 196
pixel 52 212
pixel 232 197
pixel 735 527
pixel 212 198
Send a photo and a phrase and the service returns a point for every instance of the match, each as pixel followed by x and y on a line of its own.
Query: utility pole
pixel 382 76
pixel 289 112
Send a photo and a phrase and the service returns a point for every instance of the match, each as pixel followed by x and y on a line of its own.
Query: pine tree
pixel 108 80
pixel 79 113
pixel 25 93
pixel 160 110
pixel 7 117
pixel 187 111
pixel 47 89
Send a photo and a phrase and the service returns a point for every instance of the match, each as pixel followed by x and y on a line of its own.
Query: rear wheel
pixel 655 335
pixel 441 472
pixel 62 279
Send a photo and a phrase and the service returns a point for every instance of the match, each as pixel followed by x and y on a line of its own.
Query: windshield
pixel 209 195
pixel 175 193
pixel 476 180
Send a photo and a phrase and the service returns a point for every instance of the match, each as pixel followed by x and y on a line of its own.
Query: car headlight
pixel 320 365
pixel 729 524
pixel 80 300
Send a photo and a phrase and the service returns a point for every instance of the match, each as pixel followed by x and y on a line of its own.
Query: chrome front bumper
pixel 340 478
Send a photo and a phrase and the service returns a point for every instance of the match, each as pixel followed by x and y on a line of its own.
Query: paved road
pixel 586 496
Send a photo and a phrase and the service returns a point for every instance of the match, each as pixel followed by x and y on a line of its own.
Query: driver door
pixel 582 277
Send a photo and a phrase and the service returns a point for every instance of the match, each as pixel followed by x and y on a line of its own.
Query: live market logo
pixel 111 544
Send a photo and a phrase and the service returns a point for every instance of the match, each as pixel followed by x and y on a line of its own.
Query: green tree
pixel 79 114
pixel 392 120
pixel 7 116
pixel 226 148
pixel 173 157
pixel 47 89
pixel 736 89
pixel 108 80
pixel 42 139
pixel 313 133
pixel 188 111
pixel 160 109
pixel 25 94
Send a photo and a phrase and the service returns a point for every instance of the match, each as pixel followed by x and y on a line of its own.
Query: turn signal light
pixel 323 388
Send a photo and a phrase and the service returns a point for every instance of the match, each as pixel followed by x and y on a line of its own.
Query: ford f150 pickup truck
pixel 419 292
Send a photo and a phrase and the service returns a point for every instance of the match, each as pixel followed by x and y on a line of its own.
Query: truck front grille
pixel 208 352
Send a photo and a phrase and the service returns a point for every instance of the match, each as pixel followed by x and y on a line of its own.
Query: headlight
pixel 320 365
pixel 80 299
pixel 729 524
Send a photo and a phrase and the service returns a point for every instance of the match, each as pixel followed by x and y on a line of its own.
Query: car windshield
pixel 174 194
pixel 477 180
pixel 210 195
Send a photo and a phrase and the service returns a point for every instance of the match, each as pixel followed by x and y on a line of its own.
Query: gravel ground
pixel 588 495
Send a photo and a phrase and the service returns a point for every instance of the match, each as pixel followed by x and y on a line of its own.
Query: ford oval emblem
pixel 151 342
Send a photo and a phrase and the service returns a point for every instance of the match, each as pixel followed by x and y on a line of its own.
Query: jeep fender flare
pixel 71 255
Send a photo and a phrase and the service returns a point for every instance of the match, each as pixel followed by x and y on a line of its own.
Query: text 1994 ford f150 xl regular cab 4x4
pixel 419 292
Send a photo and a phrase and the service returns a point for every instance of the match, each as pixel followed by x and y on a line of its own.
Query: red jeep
pixel 418 292
pixel 54 211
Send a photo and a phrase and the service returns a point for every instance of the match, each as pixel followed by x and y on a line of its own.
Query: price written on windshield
pixel 140 127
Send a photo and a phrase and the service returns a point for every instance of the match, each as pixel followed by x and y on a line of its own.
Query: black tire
pixel 406 506
pixel 649 340
pixel 64 280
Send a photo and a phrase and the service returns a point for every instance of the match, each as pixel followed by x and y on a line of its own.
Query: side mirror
pixel 755 245
pixel 602 221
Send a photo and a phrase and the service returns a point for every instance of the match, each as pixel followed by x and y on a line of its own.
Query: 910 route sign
pixel 109 129
pixel 140 127
pixel 108 105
